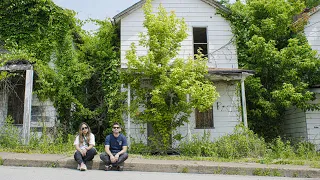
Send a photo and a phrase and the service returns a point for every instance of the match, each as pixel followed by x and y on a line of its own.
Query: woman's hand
pixel 83 152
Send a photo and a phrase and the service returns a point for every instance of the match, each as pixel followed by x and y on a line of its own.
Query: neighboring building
pixel 213 34
pixel 18 101
pixel 299 124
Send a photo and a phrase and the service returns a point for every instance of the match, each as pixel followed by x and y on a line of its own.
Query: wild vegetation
pixel 285 65
pixel 76 70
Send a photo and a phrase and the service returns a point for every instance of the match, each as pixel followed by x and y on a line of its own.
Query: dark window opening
pixel 204 120
pixel 200 40
pixel 16 98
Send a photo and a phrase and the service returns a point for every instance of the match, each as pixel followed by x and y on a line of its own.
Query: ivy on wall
pixel 69 62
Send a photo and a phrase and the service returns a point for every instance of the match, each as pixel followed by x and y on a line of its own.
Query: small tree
pixel 162 82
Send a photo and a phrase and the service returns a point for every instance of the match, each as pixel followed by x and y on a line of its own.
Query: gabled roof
pixel 139 4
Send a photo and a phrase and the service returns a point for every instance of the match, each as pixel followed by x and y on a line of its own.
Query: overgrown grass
pixel 11 141
pixel 242 146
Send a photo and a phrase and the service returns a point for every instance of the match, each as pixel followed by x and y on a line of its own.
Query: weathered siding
pixel 313 124
pixel 226 113
pixel 295 123
pixel 312 31
pixel 196 14
pixel 42 113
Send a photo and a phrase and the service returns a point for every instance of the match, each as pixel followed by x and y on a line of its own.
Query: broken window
pixel 204 120
pixel 200 40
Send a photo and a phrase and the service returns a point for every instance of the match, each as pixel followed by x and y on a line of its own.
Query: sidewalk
pixel 170 166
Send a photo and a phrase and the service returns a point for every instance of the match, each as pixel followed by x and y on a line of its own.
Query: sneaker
pixel 78 167
pixel 108 167
pixel 83 167
pixel 119 168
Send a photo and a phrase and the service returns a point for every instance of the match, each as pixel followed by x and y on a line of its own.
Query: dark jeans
pixel 83 159
pixel 106 158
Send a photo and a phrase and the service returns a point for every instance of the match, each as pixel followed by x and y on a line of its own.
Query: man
pixel 115 149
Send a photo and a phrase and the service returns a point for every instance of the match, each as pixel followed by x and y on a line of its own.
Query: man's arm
pixel 112 158
pixel 124 149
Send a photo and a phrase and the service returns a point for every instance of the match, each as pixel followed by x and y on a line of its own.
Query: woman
pixel 84 143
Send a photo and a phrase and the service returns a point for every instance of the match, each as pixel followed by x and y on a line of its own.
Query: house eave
pixel 139 4
pixel 228 74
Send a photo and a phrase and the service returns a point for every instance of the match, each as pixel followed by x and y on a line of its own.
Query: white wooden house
pixel 213 34
pixel 305 125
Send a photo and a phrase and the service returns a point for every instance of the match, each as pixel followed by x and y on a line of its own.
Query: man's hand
pixel 113 159
pixel 83 152
pixel 116 157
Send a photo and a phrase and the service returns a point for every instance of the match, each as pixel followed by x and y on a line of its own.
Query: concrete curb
pixel 170 166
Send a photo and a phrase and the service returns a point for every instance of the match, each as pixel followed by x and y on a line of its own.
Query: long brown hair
pixel 81 134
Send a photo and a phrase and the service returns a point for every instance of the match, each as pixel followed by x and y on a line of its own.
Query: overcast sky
pixel 96 9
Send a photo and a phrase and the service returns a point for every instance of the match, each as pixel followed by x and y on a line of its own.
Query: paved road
pixel 34 173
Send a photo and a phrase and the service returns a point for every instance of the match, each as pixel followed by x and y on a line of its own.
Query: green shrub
pixel 138 147
pixel 198 146
pixel 241 143
pixel 280 149
pixel 9 134
pixel 306 150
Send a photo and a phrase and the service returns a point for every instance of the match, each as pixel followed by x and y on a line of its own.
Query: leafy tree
pixel 285 66
pixel 69 63
pixel 161 82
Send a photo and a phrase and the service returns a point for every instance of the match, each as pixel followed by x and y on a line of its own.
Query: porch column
pixel 243 97
pixel 27 106
pixel 188 124
pixel 129 119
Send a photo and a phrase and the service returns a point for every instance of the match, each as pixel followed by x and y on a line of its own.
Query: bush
pixel 9 134
pixel 198 146
pixel 241 143
pixel 280 149
pixel 138 147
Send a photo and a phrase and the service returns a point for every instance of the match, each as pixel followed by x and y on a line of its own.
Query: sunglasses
pixel 116 127
pixel 84 128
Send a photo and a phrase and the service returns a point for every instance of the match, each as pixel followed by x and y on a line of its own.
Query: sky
pixel 96 9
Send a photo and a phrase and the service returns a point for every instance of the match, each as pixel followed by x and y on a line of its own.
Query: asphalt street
pixel 35 173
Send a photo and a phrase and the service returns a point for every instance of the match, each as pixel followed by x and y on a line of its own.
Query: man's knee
pixel 125 156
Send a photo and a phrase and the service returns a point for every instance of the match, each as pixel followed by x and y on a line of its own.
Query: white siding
pixel 312 31
pixel 196 14
pixel 295 123
pixel 313 124
pixel 226 113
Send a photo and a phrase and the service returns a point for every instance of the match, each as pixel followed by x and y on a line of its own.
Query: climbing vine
pixel 69 63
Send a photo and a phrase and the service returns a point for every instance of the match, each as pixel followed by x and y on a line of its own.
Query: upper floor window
pixel 204 120
pixel 200 40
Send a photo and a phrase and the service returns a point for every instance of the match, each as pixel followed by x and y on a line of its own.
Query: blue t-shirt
pixel 116 143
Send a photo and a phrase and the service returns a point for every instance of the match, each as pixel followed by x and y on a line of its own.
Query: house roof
pixel 313 10
pixel 139 4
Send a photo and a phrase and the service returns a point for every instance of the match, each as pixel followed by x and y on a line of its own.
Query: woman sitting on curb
pixel 84 143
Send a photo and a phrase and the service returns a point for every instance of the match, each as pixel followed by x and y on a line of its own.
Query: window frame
pixel 193 42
